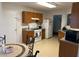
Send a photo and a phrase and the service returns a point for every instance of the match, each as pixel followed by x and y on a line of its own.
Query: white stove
pixel 37 34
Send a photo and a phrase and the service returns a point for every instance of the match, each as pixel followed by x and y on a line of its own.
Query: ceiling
pixel 36 6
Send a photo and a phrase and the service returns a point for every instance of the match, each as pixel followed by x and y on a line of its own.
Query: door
pixel 56 24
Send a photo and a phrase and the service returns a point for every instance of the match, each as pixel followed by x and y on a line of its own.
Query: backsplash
pixel 26 26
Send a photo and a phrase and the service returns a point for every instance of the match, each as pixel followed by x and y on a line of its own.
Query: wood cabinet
pixel 27 17
pixel 74 22
pixel 40 16
pixel 68 49
pixel 26 36
pixel 61 34
pixel 43 33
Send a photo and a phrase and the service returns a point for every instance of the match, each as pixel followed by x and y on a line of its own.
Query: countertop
pixel 63 39
pixel 71 29
pixel 61 31
pixel 27 29
pixel 31 29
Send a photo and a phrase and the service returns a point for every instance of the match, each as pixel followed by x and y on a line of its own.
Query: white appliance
pixel 37 34
pixel 48 26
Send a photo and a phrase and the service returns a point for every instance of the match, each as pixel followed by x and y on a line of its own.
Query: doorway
pixel 56 24
pixel 68 19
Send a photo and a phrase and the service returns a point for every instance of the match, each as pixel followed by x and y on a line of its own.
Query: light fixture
pixel 35 18
pixel 46 4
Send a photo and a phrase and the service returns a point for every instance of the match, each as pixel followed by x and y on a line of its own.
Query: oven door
pixel 37 34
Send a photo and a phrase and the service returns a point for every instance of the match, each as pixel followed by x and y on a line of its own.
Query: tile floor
pixel 47 47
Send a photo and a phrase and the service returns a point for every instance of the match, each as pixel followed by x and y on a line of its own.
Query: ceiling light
pixel 46 4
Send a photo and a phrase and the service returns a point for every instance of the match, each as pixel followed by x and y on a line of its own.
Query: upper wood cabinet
pixel 27 16
pixel 74 22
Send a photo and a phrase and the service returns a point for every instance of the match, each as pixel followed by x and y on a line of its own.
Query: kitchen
pixel 15 27
pixel 24 21
pixel 34 21
pixel 16 15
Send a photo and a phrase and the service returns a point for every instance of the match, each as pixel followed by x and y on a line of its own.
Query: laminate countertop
pixel 31 29
pixel 63 39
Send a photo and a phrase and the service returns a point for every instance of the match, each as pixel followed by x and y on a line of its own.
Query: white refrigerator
pixel 48 26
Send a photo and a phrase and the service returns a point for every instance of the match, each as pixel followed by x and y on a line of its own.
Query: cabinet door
pixel 24 36
pixel 43 34
pixel 40 16
pixel 60 35
pixel 68 49
pixel 74 22
pixel 24 17
pixel 30 35
pixel 27 17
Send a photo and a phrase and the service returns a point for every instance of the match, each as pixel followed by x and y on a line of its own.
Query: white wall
pixel 0 18
pixel 13 18
pixel 64 20
pixel 2 28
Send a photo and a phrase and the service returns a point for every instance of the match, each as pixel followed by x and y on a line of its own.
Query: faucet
pixel 3 40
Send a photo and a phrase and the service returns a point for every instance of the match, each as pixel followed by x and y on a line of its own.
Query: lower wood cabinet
pixel 43 33
pixel 68 49
pixel 26 36
pixel 61 34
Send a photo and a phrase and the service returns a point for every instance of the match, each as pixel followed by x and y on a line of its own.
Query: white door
pixel 11 31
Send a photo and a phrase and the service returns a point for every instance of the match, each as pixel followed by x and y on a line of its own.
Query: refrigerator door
pixel 47 24
pixel 50 28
